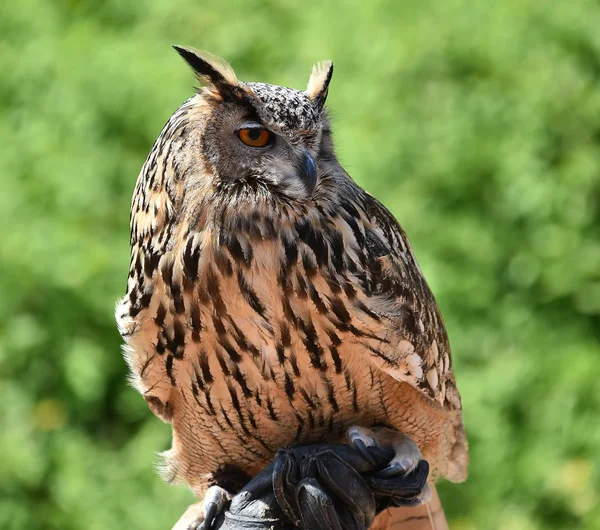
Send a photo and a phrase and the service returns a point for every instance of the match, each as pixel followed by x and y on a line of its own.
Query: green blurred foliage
pixel 477 123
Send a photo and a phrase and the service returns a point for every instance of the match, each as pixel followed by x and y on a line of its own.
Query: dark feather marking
pixel 294 364
pixel 337 250
pixel 151 263
pixel 237 252
pixel 169 369
pixel 349 290
pixel 241 381
pixel 360 305
pixel 211 408
pixel 205 367
pixel 316 299
pixel 241 340
pixel 160 343
pixel 177 298
pixel 358 235
pixel 235 401
pixel 176 345
pixel 333 349
pixel 339 310
pixel 270 409
pixel 223 364
pixel 138 265
pixel 308 399
pixel 289 312
pixel 333 284
pixel 375 246
pixel 351 266
pixel 309 263
pixel 191 257
pixel 199 381
pixel 321 418
pixel 314 240
pixel 351 209
pixel 348 379
pixel 231 351
pixel 330 423
pixel 286 338
pixel 270 232
pixel 202 295
pixel 250 295
pixel 195 321
pixel 214 293
pixel 223 264
pixel 280 354
pixel 289 386
pixel 226 418
pixel 208 408
pixel 166 272
pixel 311 343
pixel 254 426
pixel 408 321
pixel 291 252
pixel 301 287
pixel 311 420
pixel 146 364
pixel 145 300
pixel 218 325
pixel 161 313
pixel 300 429
pixel 331 395
pixel 379 354
pixel 335 357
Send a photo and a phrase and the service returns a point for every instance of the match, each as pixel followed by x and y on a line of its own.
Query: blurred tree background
pixel 477 123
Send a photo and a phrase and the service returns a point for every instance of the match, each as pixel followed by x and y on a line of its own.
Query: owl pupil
pixel 254 134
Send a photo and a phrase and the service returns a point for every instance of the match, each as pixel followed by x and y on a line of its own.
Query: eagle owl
pixel 270 300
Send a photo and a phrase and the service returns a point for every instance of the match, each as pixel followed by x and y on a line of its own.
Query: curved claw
pixel 379 452
pixel 392 470
pixel 401 487
pixel 211 511
pixel 363 450
pixel 316 507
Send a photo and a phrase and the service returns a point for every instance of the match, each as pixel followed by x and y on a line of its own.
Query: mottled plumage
pixel 263 311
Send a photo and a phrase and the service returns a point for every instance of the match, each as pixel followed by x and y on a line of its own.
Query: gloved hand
pixel 321 486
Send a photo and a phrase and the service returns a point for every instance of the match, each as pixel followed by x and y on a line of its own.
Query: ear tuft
pixel 318 84
pixel 209 69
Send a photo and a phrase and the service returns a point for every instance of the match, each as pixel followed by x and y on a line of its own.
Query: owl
pixel 271 301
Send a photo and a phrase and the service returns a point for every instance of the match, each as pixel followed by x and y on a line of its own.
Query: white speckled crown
pixel 287 107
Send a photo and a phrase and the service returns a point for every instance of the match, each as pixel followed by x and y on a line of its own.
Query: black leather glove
pixel 321 486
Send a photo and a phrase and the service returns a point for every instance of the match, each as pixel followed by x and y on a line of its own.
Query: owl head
pixel 256 133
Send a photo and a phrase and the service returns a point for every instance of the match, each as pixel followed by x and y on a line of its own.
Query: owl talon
pixel 384 454
pixel 392 471
pixel 363 450
pixel 209 517
pixel 202 515
pixel 214 502
pixel 406 455
pixel 361 441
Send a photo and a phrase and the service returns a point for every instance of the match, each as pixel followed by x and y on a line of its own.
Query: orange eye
pixel 254 136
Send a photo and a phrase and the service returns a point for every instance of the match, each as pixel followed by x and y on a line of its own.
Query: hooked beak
pixel 308 173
